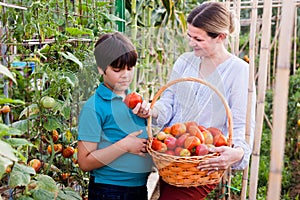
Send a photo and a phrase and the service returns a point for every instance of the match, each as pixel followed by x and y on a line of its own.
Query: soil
pixel 295 189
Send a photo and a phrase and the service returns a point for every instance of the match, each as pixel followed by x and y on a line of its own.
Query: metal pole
pixel 120 12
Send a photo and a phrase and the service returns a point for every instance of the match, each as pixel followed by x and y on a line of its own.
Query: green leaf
pixel 16 142
pixel 20 175
pixel 24 198
pixel 4 100
pixel 42 194
pixel 76 31
pixel 68 193
pixel 30 110
pixel 52 123
pixel 70 56
pixel 5 71
pixel 115 18
pixel 7 151
pixel 47 183
pixel 22 125
pixel 7 131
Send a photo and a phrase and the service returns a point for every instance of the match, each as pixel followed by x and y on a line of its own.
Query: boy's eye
pixel 129 68
pixel 116 70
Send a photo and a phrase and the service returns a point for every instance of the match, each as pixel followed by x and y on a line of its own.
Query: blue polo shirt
pixel 106 119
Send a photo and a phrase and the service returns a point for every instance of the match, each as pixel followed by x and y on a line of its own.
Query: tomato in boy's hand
pixel 132 99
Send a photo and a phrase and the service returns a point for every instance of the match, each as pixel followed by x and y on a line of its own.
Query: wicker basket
pixel 183 171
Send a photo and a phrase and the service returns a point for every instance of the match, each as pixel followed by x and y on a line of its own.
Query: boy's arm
pixel 89 157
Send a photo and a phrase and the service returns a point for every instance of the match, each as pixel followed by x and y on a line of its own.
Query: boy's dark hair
pixel 120 51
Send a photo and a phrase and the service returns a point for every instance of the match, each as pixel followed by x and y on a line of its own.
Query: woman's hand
pixel 228 156
pixel 142 109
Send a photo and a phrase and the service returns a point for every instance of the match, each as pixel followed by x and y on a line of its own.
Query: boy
pixel 111 138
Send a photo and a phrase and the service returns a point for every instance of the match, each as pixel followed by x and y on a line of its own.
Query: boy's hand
pixel 142 109
pixel 135 145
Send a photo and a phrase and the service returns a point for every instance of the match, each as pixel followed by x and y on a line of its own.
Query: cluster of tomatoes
pixel 67 152
pixel 187 139
pixel 57 148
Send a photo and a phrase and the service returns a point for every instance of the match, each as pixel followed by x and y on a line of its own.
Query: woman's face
pixel 202 44
pixel 118 80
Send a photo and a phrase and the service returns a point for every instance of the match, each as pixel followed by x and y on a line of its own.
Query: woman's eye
pixel 194 38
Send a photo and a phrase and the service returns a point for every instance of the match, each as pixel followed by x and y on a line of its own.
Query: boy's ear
pixel 101 72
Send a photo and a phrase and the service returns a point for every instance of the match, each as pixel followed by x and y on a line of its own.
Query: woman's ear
pixel 222 36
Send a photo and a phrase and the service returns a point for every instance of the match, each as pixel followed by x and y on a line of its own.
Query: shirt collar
pixel 106 93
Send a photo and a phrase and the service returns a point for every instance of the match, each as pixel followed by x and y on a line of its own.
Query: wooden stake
pixel 252 41
pixel 280 100
pixel 262 80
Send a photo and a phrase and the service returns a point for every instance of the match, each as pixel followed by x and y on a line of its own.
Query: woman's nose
pixel 192 42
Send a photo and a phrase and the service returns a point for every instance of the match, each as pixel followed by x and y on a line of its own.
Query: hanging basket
pixel 183 171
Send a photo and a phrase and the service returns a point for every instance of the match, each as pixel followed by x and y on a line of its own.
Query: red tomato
pixel 35 164
pixel 132 99
pixel 170 152
pixel 181 140
pixel 178 150
pixel 55 135
pixel 57 148
pixel 191 142
pixel 68 152
pixel 5 109
pixel 201 150
pixel 65 176
pixel 170 142
pixel 185 153
pixel 158 145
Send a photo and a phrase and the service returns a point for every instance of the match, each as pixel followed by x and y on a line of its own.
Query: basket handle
pixel 163 88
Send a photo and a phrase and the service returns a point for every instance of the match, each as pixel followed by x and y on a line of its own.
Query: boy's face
pixel 118 80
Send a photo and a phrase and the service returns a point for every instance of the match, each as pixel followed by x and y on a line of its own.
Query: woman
pixel 209 26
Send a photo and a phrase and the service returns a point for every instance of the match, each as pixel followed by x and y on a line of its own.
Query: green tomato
pixel 48 102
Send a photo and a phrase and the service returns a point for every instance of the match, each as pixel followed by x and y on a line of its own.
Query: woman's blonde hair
pixel 214 18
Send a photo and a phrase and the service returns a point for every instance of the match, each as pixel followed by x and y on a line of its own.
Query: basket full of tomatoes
pixel 178 149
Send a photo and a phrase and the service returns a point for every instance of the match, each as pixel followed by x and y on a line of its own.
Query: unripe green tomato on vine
pixel 48 102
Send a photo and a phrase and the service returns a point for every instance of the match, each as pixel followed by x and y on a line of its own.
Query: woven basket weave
pixel 183 171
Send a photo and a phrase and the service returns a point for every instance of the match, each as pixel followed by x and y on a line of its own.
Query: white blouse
pixel 193 101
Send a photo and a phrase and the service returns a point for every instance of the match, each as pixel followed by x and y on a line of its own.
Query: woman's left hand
pixel 228 156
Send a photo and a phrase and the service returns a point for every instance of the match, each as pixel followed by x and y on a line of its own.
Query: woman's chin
pixel 198 53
